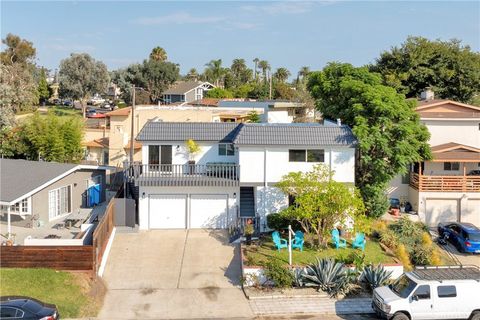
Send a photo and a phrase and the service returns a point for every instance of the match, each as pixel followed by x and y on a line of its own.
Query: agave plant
pixel 329 276
pixel 375 276
pixel 299 277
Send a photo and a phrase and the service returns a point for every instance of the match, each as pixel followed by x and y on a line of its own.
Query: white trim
pixel 103 263
pixel 57 178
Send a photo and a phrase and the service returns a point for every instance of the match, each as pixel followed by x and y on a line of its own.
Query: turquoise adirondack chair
pixel 359 241
pixel 337 241
pixel 279 242
pixel 298 241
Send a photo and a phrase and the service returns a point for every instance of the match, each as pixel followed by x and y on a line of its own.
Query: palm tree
pixel 264 65
pixel 192 74
pixel 282 74
pixel 158 54
pixel 238 66
pixel 256 60
pixel 303 73
pixel 214 71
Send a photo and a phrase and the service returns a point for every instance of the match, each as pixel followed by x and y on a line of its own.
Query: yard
pixel 61 111
pixel 75 294
pixel 256 255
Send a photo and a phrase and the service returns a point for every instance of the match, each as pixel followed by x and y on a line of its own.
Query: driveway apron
pixel 174 274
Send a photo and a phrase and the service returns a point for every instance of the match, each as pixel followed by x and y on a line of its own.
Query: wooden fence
pixel 445 183
pixel 102 234
pixel 55 257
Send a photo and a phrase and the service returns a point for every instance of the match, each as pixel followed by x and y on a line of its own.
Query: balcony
pixel 177 175
pixel 444 183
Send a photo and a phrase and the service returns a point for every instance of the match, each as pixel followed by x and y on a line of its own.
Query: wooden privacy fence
pixel 102 234
pixel 445 183
pixel 55 257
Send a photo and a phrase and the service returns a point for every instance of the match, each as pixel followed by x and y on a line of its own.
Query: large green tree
pixel 218 93
pixel 43 89
pixel 81 76
pixel 389 132
pixel 158 75
pixel 214 72
pixel 281 74
pixel 450 68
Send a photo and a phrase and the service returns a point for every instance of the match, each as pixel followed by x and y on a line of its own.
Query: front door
pixel 421 303
pixel 166 158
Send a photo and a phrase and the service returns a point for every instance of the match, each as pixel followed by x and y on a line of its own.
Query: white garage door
pixel 472 214
pixel 441 210
pixel 208 211
pixel 167 211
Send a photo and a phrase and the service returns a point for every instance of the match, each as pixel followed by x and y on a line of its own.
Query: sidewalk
pixel 321 305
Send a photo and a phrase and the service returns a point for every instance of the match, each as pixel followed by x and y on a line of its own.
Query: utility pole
pixel 270 84
pixel 132 126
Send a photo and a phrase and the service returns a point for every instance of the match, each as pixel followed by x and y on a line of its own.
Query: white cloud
pixel 178 18
pixel 277 8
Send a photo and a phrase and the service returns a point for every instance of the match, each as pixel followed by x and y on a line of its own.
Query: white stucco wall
pixel 437 168
pixel 254 168
pixel 397 189
pixel 269 200
pixel 278 116
pixel 232 192
pixel 460 131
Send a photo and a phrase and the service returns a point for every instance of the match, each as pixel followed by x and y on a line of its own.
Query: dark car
pixel 15 307
pixel 464 236
pixel 68 103
pixel 474 173
pixel 89 112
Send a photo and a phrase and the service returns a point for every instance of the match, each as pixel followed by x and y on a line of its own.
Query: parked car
pixel 17 307
pixel 464 236
pixel 68 103
pixel 447 292
pixel 474 173
pixel 89 112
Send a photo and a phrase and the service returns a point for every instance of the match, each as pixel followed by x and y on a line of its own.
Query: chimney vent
pixel 339 122
pixel 427 95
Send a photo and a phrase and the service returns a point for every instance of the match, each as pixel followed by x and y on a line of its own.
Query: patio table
pixel 75 217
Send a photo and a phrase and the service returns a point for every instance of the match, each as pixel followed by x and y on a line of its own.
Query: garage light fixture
pixel 234 195
pixel 143 195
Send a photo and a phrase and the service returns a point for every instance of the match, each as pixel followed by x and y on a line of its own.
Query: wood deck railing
pixel 445 183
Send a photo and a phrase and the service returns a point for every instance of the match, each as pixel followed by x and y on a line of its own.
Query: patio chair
pixel 298 241
pixel 359 241
pixel 337 241
pixel 279 242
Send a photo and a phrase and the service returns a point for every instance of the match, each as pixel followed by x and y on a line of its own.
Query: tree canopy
pixel 388 129
pixel 320 202
pixel 450 68
pixel 158 54
pixel 81 76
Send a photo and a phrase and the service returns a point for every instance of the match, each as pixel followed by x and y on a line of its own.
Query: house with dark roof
pixel 232 177
pixel 48 190
pixel 447 187
pixel 186 91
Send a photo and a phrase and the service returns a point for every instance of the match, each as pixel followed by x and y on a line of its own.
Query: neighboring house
pixel 447 188
pixel 235 172
pixel 184 92
pixel 273 111
pixel 47 189
pixel 96 151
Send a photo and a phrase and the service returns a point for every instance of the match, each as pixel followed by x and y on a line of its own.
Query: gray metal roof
pixel 182 131
pixel 19 177
pixel 301 134
pixel 182 87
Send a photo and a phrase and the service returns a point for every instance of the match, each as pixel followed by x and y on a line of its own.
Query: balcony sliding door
pixel 160 158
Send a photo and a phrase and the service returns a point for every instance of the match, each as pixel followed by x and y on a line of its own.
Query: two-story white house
pixel 446 188
pixel 235 172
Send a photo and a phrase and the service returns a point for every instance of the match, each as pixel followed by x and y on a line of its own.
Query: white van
pixel 450 292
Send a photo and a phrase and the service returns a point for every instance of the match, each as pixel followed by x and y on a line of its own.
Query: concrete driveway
pixel 462 258
pixel 174 274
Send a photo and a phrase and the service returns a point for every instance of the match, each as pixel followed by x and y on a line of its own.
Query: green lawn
pixel 255 255
pixel 64 111
pixel 69 291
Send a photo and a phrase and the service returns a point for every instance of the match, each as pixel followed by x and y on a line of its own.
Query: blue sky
pixel 290 34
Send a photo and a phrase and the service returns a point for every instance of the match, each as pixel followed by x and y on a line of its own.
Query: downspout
pixel 264 198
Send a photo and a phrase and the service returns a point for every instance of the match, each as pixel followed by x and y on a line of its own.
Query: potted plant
pixel 192 148
pixel 248 232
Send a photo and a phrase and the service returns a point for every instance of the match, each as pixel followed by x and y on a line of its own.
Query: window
pixel 6 312
pixel 25 205
pixel 451 166
pixel 310 155
pixel 296 155
pixel 59 201
pixel 315 155
pixel 15 207
pixel 226 149
pixel 447 291
pixel 422 292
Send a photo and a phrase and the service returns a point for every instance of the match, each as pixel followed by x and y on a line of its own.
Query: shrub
pixel 299 277
pixel 276 272
pixel 420 255
pixel 435 259
pixel 329 276
pixel 353 258
pixel 378 227
pixel 276 221
pixel 375 276
pixel 403 256
pixel 389 238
